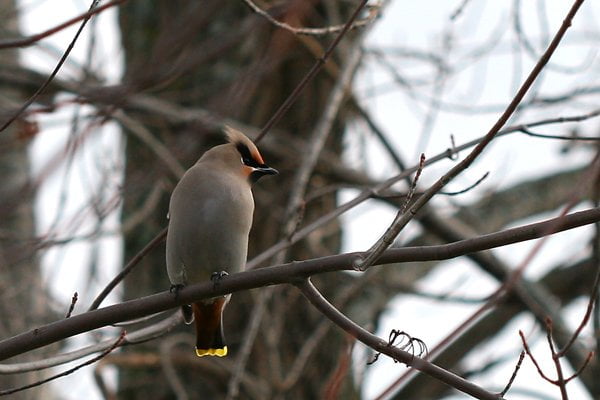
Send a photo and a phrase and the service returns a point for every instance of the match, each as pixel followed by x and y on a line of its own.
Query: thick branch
pixel 280 274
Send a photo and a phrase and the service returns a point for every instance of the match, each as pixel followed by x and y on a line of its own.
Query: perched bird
pixel 210 215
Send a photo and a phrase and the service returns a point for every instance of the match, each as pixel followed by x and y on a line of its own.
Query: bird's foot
pixel 175 288
pixel 215 277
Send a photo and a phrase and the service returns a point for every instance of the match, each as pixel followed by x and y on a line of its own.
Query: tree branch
pixel 310 74
pixel 380 345
pixel 312 31
pixel 494 130
pixel 141 335
pixel 29 40
pixel 280 274
pixel 53 74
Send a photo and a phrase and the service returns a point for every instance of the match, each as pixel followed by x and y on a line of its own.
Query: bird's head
pixel 240 157
pixel 246 156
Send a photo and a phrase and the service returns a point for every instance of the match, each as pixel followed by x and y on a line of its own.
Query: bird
pixel 210 216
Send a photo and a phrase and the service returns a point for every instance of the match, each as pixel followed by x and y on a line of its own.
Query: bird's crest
pixel 241 141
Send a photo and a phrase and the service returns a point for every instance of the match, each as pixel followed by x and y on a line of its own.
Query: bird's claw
pixel 175 288
pixel 216 276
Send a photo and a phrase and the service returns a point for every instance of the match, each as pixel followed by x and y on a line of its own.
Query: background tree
pixel 24 299
pixel 190 68
pixel 240 74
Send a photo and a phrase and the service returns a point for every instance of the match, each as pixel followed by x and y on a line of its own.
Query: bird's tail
pixel 188 314
pixel 209 328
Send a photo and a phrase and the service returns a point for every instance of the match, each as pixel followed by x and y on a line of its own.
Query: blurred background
pixel 88 170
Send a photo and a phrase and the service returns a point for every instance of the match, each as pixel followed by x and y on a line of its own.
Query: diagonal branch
pixel 309 75
pixel 373 341
pixel 280 274
pixel 140 335
pixel 495 129
pixel 311 31
pixel 29 40
pixel 116 344
pixel 54 72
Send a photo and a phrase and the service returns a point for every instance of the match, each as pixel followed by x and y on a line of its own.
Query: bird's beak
pixel 267 170
pixel 259 172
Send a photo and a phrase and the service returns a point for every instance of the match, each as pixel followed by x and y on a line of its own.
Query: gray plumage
pixel 210 216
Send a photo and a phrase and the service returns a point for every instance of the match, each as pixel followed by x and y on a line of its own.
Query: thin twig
pixel 560 380
pixel 69 371
pixel 321 133
pixel 29 40
pixel 581 368
pixel 514 374
pixel 413 186
pixel 258 311
pixel 310 75
pixel 274 275
pixel 127 269
pixel 172 377
pixel 373 11
pixel 528 132
pixel 510 109
pixel 72 306
pixel 334 384
pixel 468 188
pixel 309 346
pixel 389 148
pixel 394 229
pixel 382 346
pixel 532 358
pixel 459 10
pixel 140 335
pixel 54 72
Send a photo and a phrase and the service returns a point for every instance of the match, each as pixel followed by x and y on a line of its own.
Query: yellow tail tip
pixel 212 352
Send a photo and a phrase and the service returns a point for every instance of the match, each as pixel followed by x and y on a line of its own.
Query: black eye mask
pixel 247 158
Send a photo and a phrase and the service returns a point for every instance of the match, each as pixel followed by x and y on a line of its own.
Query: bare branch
pixel 373 12
pixel 281 274
pixel 468 188
pixel 310 74
pixel 128 268
pixel 72 305
pixel 510 109
pixel 408 358
pixel 53 74
pixel 68 372
pixel 141 335
pixel 514 374
pixel 396 226
pixel 528 132
pixel 32 39
pixel 533 359
pixel 581 368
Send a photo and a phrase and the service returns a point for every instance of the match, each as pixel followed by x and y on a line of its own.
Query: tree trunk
pixel 224 59
pixel 24 302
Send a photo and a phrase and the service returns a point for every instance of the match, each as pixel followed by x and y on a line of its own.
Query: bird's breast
pixel 209 228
